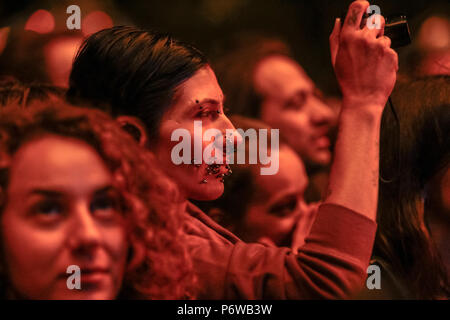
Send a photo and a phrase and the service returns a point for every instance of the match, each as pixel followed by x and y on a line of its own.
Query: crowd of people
pixel 87 175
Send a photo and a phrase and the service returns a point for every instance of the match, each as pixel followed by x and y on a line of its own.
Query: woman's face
pixel 278 204
pixel 198 99
pixel 62 210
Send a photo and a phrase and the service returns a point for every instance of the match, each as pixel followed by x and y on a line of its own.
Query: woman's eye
pixel 208 114
pixel 283 209
pixel 205 113
pixel 48 211
pixel 296 103
pixel 48 208
pixel 104 207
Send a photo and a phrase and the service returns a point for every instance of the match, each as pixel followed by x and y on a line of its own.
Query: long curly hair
pixel 158 266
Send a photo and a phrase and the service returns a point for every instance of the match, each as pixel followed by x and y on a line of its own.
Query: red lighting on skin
pixel 41 21
pixel 59 54
pixel 95 21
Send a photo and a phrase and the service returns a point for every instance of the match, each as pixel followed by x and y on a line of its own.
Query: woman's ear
pixel 135 127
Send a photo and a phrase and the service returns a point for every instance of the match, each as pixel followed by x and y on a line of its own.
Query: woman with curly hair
pixel 75 189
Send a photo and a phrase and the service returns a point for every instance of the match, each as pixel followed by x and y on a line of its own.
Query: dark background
pixel 305 25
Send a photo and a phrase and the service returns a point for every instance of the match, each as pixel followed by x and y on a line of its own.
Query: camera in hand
pixel 396 28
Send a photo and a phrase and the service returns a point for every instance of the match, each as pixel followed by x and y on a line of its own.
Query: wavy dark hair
pixel 158 266
pixel 414 146
pixel 128 71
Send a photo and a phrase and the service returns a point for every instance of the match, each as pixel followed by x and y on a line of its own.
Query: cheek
pixel 33 257
pixel 294 126
pixel 294 120
pixel 266 224
pixel 188 177
pixel 29 246
pixel 116 243
pixel 116 247
pixel 259 220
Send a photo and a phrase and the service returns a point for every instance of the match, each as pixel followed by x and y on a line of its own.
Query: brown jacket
pixel 331 264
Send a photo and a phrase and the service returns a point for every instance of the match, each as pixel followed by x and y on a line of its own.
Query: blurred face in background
pixel 278 203
pixel 438 194
pixel 291 103
pixel 199 98
pixel 62 210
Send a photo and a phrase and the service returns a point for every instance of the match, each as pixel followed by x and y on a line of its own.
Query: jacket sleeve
pixel 331 264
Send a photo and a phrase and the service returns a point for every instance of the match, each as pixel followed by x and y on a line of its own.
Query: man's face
pixel 292 104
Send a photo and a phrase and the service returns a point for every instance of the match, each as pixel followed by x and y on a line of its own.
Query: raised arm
pixel 333 260
pixel 365 68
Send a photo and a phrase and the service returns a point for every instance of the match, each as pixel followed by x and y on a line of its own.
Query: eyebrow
pixel 105 189
pixel 209 100
pixel 48 193
pixel 59 194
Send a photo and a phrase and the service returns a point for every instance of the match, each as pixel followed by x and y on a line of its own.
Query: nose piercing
pixel 204 181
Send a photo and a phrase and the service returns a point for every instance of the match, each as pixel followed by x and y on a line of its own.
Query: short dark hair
pixel 128 71
pixel 235 71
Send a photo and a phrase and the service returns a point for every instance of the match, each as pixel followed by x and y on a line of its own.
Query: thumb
pixel 334 40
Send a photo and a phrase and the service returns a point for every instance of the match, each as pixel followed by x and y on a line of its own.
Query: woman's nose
pixel 232 136
pixel 229 136
pixel 85 233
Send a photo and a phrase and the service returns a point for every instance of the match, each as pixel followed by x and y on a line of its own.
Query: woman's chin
pixel 211 190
